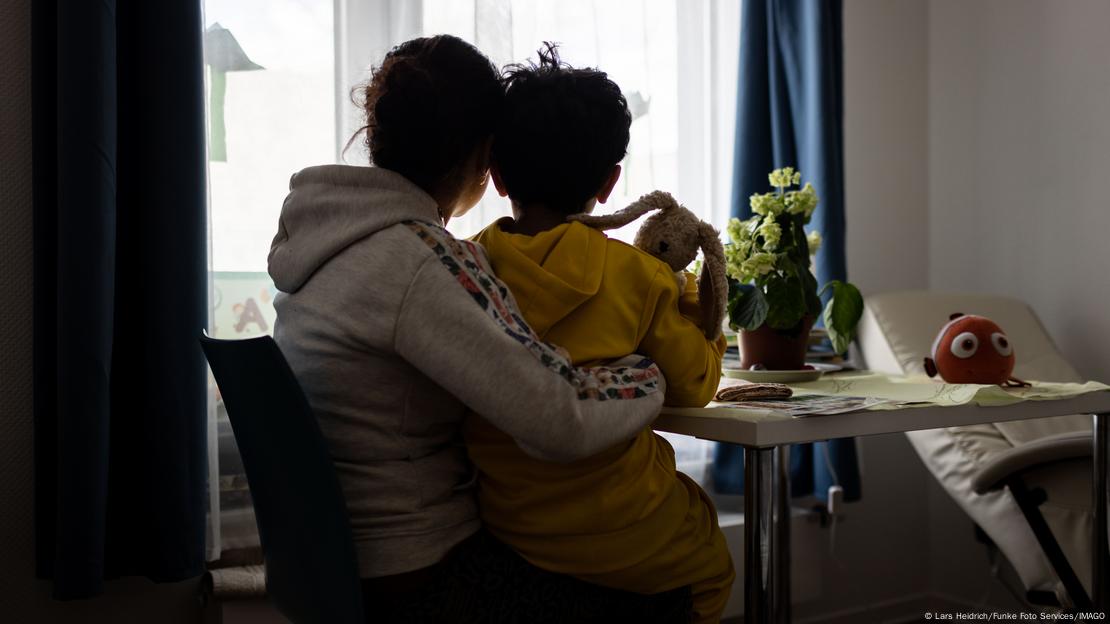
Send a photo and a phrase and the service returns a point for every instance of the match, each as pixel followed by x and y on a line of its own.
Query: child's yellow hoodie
pixel 623 518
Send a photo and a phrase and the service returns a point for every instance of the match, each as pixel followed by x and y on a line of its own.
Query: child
pixel 623 518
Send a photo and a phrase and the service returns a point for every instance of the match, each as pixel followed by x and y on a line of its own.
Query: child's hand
pixel 688 301
pixel 696 301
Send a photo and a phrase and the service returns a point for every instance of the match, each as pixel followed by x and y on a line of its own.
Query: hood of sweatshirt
pixel 330 208
pixel 550 274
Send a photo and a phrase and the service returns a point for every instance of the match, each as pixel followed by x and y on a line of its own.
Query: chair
pixel 1025 484
pixel 311 567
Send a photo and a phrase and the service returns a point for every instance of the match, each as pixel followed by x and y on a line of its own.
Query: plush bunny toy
pixel 673 234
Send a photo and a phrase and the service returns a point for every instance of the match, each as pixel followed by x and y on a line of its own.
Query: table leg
pixel 781 541
pixel 1100 563
pixel 758 547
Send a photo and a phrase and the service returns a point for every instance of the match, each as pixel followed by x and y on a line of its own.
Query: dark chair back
pixel 311 566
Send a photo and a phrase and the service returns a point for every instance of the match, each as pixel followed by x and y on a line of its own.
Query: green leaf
pixel 785 303
pixel 735 294
pixel 828 285
pixel 842 314
pixel 801 243
pixel 747 308
pixel 809 288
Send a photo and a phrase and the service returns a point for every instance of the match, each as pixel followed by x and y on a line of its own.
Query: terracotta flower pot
pixel 776 349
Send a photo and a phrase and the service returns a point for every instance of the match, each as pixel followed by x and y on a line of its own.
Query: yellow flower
pixel 771 233
pixel 767 204
pixel 737 230
pixel 760 263
pixel 735 255
pixel 814 241
pixel 803 201
pixel 791 201
pixel 784 177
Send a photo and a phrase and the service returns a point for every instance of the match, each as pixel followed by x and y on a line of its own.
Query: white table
pixel 765 436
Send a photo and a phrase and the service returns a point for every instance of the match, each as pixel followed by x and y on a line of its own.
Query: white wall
pixel 885 138
pixel 22 598
pixel 1019 161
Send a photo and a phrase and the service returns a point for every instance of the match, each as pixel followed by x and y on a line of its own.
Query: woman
pixel 395 329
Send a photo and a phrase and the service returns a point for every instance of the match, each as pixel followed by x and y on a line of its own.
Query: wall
pixel 873 557
pixel 1018 161
pixel 885 137
pixel 22 598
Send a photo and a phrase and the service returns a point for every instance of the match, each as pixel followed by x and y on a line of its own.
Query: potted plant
pixel 773 296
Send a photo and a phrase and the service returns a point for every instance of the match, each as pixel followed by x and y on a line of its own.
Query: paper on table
pixel 809 405
pixel 921 390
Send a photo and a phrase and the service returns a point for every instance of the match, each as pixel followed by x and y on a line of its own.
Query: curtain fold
pixel 120 292
pixel 790 113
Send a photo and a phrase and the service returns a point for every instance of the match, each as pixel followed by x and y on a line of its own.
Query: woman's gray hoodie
pixel 394 329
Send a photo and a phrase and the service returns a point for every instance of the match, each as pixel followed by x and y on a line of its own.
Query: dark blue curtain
pixel 120 291
pixel 790 113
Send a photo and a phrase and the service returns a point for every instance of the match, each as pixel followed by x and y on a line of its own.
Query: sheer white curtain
pixel 270 111
pixel 674 60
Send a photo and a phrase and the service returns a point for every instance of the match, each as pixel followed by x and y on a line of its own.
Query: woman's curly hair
pixel 429 104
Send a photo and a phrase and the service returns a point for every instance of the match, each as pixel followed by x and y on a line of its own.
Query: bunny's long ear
pixel 656 200
pixel 712 282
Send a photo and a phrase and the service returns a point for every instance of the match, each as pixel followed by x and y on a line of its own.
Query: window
pixel 675 61
pixel 280 74
pixel 271 110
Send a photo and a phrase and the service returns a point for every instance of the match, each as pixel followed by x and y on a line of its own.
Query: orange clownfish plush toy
pixel 973 349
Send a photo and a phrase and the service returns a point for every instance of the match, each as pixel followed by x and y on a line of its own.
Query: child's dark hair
pixel 430 103
pixel 562 132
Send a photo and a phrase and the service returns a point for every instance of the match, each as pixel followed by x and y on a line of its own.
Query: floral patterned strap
pixel 467 262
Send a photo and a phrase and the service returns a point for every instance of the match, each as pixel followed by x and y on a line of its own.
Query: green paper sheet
pixel 921 390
